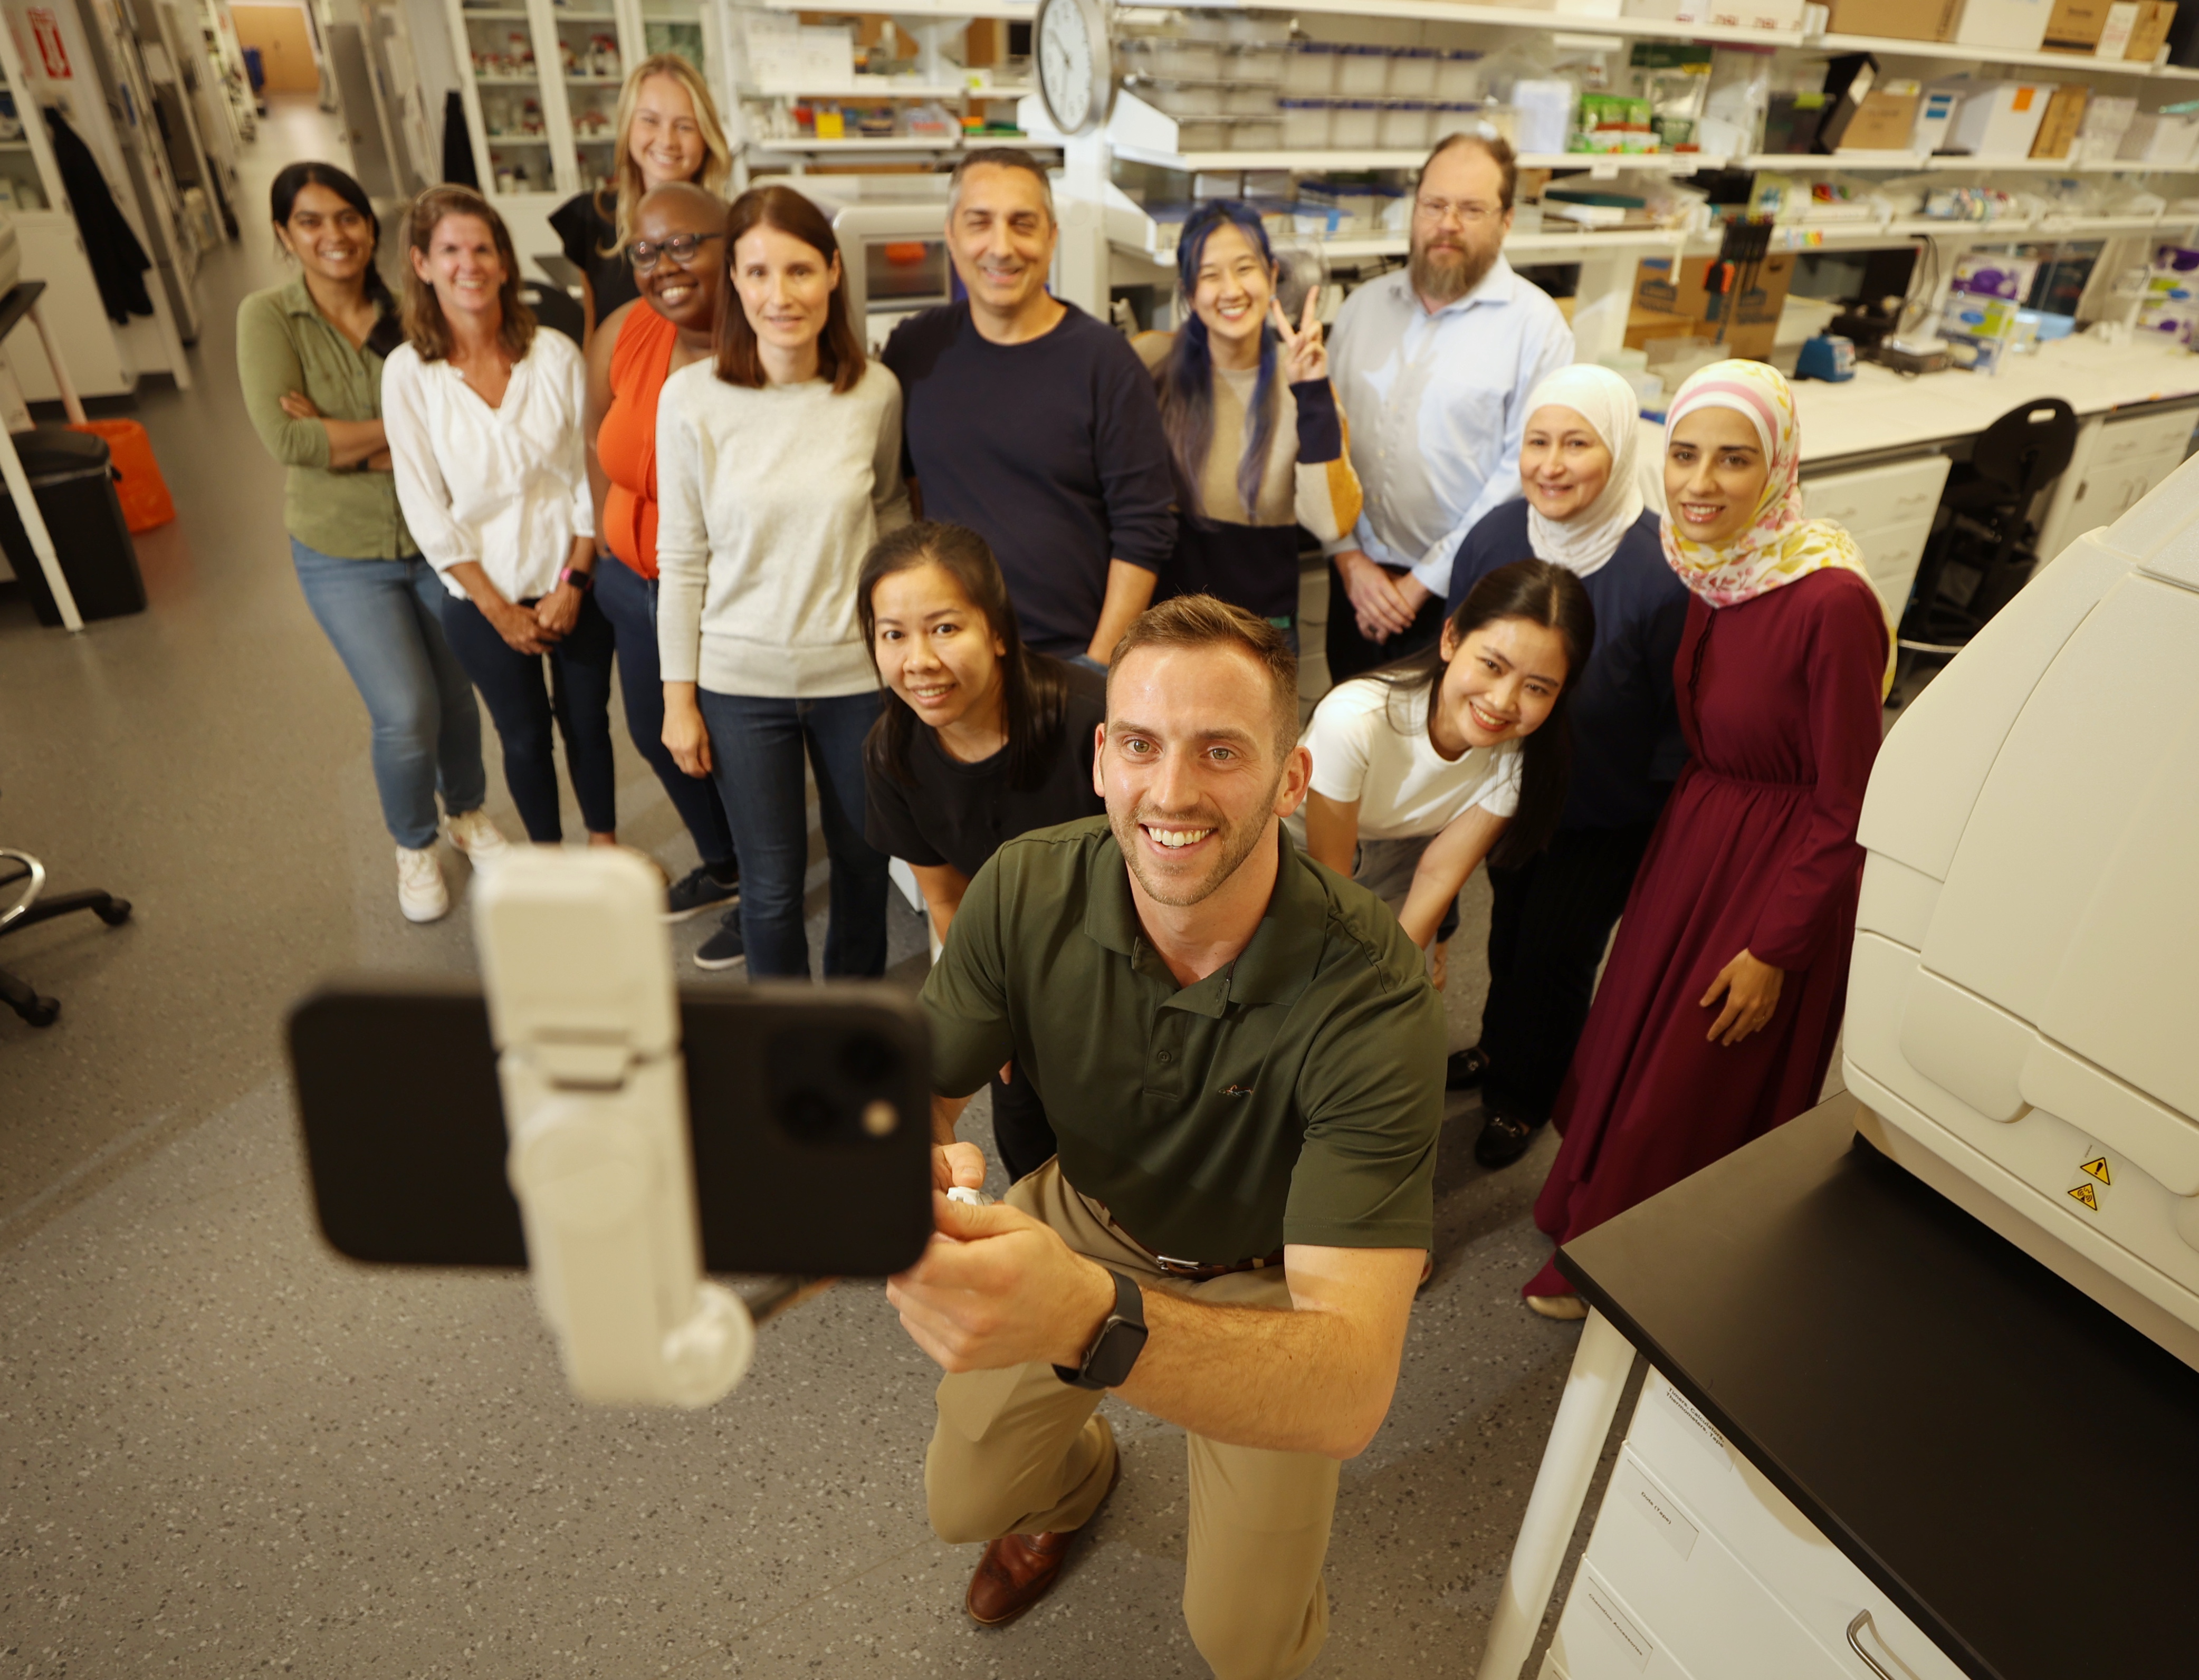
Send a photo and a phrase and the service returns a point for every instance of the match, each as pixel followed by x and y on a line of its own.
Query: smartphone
pixel 809 1110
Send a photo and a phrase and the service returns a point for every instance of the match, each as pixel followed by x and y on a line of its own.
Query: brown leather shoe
pixel 1017 1570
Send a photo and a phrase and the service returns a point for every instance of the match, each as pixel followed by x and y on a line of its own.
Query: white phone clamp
pixel 578 971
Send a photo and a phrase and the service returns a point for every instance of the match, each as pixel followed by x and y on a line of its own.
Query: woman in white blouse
pixel 482 412
pixel 778 466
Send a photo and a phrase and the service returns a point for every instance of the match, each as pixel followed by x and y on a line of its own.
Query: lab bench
pixel 1877 1442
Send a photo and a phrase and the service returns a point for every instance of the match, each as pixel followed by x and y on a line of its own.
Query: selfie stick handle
pixel 578 971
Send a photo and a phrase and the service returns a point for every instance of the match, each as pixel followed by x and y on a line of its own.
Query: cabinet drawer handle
pixel 1863 1620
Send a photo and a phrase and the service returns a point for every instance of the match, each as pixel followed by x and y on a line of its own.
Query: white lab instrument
pixel 578 971
pixel 2023 1007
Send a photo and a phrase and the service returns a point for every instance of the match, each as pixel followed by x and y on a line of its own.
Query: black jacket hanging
pixel 457 143
pixel 119 262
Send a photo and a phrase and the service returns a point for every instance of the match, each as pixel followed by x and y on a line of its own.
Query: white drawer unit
pixel 1715 1487
pixel 2117 464
pixel 1888 510
pixel 1605 1634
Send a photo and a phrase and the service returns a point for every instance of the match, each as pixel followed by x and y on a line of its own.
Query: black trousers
pixel 530 713
pixel 1548 926
pixel 1351 653
pixel 1021 1131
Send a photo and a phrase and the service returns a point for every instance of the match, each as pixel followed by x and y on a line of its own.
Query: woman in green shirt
pixel 309 356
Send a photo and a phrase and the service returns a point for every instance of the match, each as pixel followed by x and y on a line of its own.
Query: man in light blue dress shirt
pixel 1434 363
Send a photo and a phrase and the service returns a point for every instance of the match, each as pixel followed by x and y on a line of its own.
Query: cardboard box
pixel 1884 122
pixel 1668 304
pixel 2057 129
pixel 1999 120
pixel 2076 26
pixel 2150 34
pixel 2017 25
pixel 1907 20
pixel 2115 33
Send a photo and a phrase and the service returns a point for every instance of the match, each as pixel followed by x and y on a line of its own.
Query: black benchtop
pixel 2012 1464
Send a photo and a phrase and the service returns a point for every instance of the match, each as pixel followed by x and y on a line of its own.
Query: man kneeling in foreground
pixel 1243 1062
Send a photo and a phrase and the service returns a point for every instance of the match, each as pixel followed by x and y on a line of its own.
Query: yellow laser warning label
pixel 2085 1194
pixel 2099 1170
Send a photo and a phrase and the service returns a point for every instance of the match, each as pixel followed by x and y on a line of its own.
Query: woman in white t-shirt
pixel 1424 767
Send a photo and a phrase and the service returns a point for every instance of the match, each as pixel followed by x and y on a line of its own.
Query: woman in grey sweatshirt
pixel 778 465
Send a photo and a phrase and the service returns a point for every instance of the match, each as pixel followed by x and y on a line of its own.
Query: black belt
pixel 1193 1271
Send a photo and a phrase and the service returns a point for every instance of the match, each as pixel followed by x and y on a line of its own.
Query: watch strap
pixel 1114 1351
pixel 580 580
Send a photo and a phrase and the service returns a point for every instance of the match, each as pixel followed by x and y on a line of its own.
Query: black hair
pixel 1186 376
pixel 283 198
pixel 1552 597
pixel 1033 685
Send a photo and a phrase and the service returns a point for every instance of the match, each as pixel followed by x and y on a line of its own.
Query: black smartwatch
pixel 1115 1348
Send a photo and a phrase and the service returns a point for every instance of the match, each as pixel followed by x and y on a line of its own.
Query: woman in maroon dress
pixel 1718 1013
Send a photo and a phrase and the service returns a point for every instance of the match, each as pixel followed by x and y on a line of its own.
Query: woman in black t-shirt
pixel 983 739
pixel 667 130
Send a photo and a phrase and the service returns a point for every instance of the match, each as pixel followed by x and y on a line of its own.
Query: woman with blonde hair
pixel 482 415
pixel 667 130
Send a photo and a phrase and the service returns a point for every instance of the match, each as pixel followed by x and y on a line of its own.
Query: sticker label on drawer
pixel 1645 1497
pixel 1604 1609
pixel 1699 1426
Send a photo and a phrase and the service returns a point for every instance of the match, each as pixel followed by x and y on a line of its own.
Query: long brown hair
pixel 841 357
pixel 1033 685
pixel 717 156
pixel 425 329
pixel 1552 597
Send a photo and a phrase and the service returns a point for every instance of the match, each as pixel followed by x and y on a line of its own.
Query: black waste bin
pixel 74 484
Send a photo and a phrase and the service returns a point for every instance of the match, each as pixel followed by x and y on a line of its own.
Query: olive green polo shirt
pixel 285 344
pixel 1292 1096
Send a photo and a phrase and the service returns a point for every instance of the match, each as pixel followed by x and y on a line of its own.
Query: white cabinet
pixel 1698 1567
pixel 2117 463
pixel 1888 510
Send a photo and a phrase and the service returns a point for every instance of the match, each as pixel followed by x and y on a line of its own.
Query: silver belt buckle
pixel 1176 1267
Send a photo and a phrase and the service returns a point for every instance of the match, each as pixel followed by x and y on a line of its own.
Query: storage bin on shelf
pixel 1305 124
pixel 1173 58
pixel 1453 116
pixel 1185 99
pixel 1241 99
pixel 1458 74
pixel 1404 125
pixel 1413 73
pixel 1309 66
pixel 1256 134
pixel 1354 125
pixel 1202 134
pixel 1362 71
pixel 1255 64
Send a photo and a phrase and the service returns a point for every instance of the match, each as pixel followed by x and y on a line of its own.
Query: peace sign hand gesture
pixel 1304 356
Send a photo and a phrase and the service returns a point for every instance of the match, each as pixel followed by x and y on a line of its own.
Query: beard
pixel 1234 842
pixel 1448 273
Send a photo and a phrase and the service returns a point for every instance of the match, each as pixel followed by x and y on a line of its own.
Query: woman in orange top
pixel 679 263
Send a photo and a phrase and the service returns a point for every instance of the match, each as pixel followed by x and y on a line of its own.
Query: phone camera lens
pixel 869 1059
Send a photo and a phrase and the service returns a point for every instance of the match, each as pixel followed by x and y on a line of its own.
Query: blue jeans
pixel 384 618
pixel 575 702
pixel 758 746
pixel 629 601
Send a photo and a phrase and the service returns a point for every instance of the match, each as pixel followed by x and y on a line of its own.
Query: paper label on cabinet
pixel 1659 1509
pixel 1604 1609
pixel 1699 1426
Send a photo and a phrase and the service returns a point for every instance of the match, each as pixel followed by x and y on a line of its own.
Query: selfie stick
pixel 578 971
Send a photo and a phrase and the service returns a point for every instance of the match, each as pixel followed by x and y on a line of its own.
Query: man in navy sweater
pixel 1032 424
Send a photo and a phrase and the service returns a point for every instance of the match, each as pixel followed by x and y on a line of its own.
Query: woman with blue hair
pixel 1255 434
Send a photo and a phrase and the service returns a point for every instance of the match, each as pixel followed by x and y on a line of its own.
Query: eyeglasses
pixel 680 247
pixel 1469 214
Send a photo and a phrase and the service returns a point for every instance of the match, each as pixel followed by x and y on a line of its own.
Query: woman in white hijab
pixel 1552 914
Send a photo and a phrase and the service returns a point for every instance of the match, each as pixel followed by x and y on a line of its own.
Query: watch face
pixel 1065 69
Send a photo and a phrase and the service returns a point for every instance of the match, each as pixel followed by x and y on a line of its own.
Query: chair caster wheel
pixel 114 913
pixel 41 1012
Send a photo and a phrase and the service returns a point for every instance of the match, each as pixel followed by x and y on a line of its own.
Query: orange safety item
pixel 137 482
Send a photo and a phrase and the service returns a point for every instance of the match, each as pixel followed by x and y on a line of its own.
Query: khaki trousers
pixel 1019 1451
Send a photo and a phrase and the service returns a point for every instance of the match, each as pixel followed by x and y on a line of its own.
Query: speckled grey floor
pixel 225 1451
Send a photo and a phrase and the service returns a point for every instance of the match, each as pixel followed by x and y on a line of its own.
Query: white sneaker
pixel 474 834
pixel 421 894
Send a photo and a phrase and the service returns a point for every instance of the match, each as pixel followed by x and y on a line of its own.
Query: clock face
pixel 1068 78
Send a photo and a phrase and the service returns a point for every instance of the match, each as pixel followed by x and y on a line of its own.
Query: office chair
pixel 16 993
pixel 1988 536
